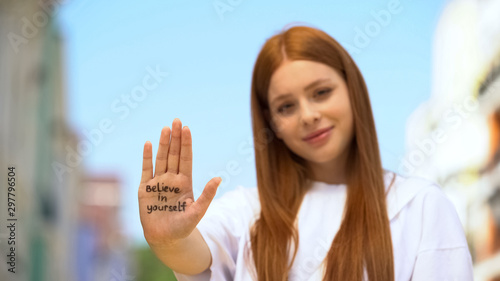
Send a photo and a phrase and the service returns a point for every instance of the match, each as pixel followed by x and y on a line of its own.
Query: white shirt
pixel 428 238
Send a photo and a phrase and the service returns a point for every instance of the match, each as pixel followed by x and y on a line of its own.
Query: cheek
pixel 284 126
pixel 342 118
pixel 341 111
pixel 290 136
pixel 287 135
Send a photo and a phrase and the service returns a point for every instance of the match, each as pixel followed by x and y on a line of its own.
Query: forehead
pixel 293 76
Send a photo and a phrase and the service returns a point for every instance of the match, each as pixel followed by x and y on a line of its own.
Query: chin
pixel 323 154
pixel 320 157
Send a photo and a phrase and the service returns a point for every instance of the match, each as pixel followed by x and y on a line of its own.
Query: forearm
pixel 188 256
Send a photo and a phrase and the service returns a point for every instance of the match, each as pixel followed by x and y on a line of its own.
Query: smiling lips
pixel 317 133
pixel 318 136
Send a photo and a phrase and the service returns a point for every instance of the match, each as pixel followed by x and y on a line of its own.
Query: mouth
pixel 318 134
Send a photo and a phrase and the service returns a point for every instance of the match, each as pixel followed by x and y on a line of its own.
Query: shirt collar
pixel 402 191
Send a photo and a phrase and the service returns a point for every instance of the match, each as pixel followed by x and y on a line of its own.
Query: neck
pixel 332 172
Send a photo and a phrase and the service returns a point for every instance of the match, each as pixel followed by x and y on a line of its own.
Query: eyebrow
pixel 306 88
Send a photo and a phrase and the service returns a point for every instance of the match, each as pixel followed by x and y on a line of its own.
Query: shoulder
pixel 430 228
pixel 430 212
pixel 441 227
pixel 403 192
pixel 421 191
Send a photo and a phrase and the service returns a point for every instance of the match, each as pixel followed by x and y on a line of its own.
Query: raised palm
pixel 170 213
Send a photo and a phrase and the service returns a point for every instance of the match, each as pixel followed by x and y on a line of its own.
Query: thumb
pixel 202 203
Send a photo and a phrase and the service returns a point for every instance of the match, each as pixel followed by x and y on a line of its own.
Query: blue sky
pixel 208 49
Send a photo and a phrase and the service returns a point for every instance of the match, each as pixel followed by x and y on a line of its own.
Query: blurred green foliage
pixel 150 268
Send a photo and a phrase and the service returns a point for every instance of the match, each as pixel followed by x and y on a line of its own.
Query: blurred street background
pixel 84 84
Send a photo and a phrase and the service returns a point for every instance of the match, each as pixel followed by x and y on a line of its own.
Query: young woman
pixel 324 208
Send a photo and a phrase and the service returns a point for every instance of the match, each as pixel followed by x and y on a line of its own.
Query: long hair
pixel 363 240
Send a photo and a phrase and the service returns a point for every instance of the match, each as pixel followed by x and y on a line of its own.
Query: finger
pixel 186 159
pixel 161 156
pixel 175 147
pixel 200 206
pixel 147 162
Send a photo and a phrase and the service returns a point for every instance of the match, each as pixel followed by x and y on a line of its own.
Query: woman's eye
pixel 284 107
pixel 324 92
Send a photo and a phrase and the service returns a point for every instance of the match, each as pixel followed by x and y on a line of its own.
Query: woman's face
pixel 304 97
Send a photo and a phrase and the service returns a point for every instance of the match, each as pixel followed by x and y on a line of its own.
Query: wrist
pixel 164 245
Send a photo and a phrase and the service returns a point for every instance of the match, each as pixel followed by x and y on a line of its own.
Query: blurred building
pixel 454 137
pixel 59 211
pixel 33 134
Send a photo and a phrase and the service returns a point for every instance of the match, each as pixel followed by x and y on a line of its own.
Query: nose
pixel 309 114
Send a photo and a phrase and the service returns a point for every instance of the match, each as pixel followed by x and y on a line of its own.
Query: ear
pixel 271 122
